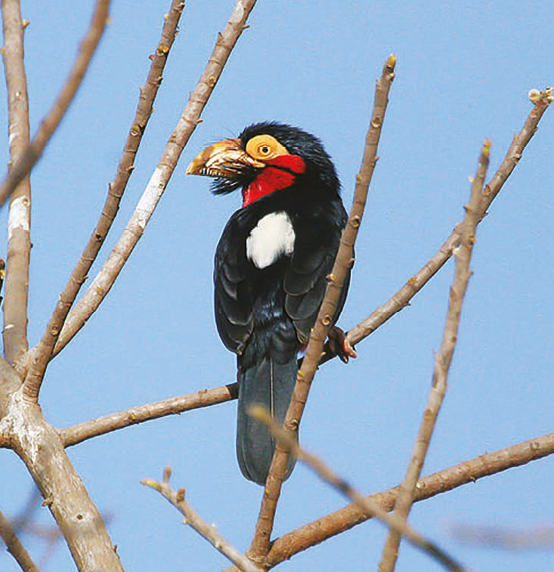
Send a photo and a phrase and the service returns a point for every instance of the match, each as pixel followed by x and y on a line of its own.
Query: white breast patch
pixel 271 238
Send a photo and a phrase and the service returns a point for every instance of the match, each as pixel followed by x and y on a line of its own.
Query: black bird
pixel 271 266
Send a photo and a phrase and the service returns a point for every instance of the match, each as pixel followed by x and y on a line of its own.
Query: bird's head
pixel 265 158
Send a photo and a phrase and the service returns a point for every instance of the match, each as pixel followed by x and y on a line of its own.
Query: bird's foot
pixel 338 345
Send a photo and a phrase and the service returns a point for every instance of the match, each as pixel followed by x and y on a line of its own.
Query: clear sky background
pixel 464 70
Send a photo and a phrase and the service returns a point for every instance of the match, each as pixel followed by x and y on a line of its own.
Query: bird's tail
pixel 270 384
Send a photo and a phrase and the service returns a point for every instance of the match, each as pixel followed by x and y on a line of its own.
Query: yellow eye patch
pixel 264 147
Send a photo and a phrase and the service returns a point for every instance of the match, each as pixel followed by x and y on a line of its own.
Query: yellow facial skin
pixel 265 147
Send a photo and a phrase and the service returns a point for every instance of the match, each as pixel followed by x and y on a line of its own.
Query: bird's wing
pixel 233 293
pixel 306 277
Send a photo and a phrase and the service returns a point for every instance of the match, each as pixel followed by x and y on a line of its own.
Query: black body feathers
pixel 265 307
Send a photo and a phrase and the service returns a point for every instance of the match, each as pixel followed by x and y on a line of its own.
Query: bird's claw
pixel 338 345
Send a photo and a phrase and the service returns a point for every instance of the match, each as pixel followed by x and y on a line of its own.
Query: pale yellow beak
pixel 224 159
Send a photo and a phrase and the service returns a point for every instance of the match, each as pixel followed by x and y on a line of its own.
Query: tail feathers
pixel 271 385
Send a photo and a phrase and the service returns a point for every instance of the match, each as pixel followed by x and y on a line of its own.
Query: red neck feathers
pixel 277 175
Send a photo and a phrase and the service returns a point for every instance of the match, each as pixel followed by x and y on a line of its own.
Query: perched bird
pixel 271 266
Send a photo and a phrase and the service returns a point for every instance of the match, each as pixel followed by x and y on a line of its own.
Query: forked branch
pixel 188 121
pixel 343 262
pixel 541 100
pixel 41 354
pixel 108 274
pixel 474 213
pixel 192 518
pixel 313 533
pixel 366 504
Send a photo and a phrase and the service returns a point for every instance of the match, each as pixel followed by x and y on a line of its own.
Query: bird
pixel 272 265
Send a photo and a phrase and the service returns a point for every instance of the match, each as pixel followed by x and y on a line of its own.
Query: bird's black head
pixel 267 157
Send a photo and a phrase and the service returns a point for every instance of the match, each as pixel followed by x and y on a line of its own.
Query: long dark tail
pixel 269 384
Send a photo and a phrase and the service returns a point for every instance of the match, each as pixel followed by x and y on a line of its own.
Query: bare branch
pixel 366 504
pixel 309 535
pixel 177 499
pixel 14 546
pixel 38 445
pixel 19 218
pixel 10 383
pixel 34 150
pixel 105 279
pixel 108 423
pixel 343 262
pixel 42 353
pixel 474 213
pixel 402 298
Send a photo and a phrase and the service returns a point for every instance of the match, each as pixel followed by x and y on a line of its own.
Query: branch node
pixel 355 221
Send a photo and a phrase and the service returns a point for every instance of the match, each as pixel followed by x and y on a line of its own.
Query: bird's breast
pixel 272 238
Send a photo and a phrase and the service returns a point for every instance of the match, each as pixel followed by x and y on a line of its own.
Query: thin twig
pixel 19 218
pixel 260 543
pixel 95 427
pixel 367 505
pixel 34 150
pixel 402 298
pixel 192 518
pixel 313 533
pixel 42 352
pixel 475 211
pixel 15 547
pixel 105 279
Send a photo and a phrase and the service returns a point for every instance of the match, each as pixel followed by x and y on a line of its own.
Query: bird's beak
pixel 224 159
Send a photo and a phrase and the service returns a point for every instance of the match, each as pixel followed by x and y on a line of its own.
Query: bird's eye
pixel 264 147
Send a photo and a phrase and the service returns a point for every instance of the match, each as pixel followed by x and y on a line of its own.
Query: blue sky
pixel 463 73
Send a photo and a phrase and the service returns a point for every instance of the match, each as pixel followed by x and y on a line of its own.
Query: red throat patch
pixel 279 174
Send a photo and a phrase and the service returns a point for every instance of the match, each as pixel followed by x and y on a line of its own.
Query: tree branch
pixel 402 298
pixel 474 213
pixel 19 218
pixel 95 427
pixel 15 547
pixel 177 499
pixel 343 262
pixel 41 354
pixel 37 443
pixel 309 535
pixel 32 153
pixel 366 504
pixel 105 279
